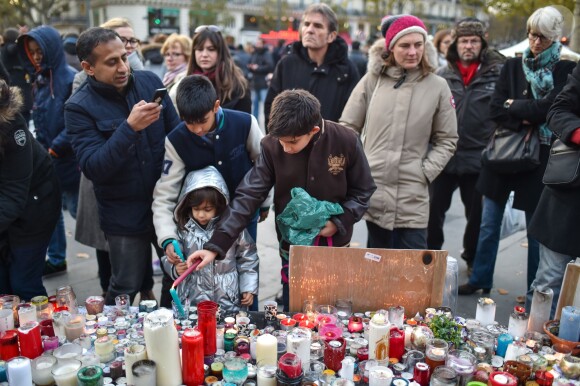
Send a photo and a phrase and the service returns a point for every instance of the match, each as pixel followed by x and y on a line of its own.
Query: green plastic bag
pixel 304 217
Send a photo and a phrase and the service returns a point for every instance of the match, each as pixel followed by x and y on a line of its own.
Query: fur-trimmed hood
pixel 377 63
pixel 10 103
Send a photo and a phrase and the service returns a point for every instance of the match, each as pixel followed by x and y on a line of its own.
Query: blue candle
pixel 503 341
pixel 3 377
pixel 570 324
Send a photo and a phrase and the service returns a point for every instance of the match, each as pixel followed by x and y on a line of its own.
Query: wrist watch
pixel 507 104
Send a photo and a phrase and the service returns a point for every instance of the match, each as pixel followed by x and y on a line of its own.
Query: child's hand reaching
pixel 171 255
pixel 247 299
pixel 180 268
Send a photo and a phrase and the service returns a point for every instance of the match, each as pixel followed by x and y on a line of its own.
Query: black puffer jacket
pixel 331 83
pixel 474 124
pixel 263 58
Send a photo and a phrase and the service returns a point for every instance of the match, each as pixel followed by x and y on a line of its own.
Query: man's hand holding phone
pixel 143 114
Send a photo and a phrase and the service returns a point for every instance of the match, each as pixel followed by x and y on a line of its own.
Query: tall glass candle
pixel 463 363
pixel 192 357
pixel 570 324
pixel 396 343
pixel 66 299
pixel 74 327
pixel 163 346
pixel 485 311
pixel 518 322
pixel 347 369
pixel 26 313
pixel 19 371
pixel 59 319
pixel 421 373
pixel 42 306
pixel 144 373
pixel 334 352
pixel 9 345
pixel 484 344
pixel 540 309
pixel 267 349
pixel 397 315
pixel 65 372
pixel 503 341
pixel 42 370
pixel 90 376
pixel 6 320
pixel 207 325
pixel 30 340
pixel 436 353
pixel 379 336
pixel 133 353
pixel 298 342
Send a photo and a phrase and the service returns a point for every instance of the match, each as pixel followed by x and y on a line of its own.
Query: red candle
pixel 62 308
pixel 362 354
pixel 396 343
pixel 192 351
pixel 300 317
pixel 30 340
pixel 46 327
pixel 287 324
pixel 334 351
pixel 355 324
pixel 421 373
pixel 502 378
pixel 307 324
pixel 207 325
pixel 9 345
pixel 544 378
pixel 290 365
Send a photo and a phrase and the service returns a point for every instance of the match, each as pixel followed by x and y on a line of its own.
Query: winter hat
pixel 469 27
pixel 395 27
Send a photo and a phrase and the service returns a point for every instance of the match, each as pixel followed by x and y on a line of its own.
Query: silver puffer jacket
pixel 224 280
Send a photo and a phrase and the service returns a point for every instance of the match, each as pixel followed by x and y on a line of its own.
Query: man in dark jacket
pixel 261 64
pixel 118 137
pixel 302 150
pixel 42 54
pixel 18 76
pixel 471 73
pixel 359 58
pixel 318 63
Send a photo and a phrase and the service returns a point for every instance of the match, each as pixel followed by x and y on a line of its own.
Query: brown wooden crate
pixel 411 278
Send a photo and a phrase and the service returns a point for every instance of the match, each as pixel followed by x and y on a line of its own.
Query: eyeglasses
pixel 173 54
pixel 534 37
pixel 473 42
pixel 132 42
pixel 212 28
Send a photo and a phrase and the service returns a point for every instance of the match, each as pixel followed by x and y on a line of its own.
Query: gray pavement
pixel 510 273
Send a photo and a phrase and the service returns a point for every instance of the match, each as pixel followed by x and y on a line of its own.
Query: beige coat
pixel 409 133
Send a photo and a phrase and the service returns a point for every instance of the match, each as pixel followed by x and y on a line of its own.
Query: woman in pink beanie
pixel 406 117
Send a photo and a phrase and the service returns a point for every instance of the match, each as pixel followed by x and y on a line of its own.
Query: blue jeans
pixel 21 274
pixel 257 97
pixel 550 273
pixel 488 244
pixel 252 229
pixel 57 246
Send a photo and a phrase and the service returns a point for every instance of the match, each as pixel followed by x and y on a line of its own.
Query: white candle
pixel 298 342
pixel 379 336
pixel 133 354
pixel 267 349
pixel 26 313
pixel 6 320
pixel 144 373
pixel 42 370
pixel 485 311
pixel 540 309
pixel 347 370
pixel 380 376
pixel 163 346
pixel 518 324
pixel 267 375
pixel 105 349
pixel 253 344
pixel 74 327
pixel 219 338
pixel 19 371
pixel 65 372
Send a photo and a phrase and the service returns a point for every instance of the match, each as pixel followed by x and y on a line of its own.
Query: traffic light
pixel 157 16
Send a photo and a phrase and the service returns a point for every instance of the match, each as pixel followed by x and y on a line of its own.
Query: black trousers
pixel 441 191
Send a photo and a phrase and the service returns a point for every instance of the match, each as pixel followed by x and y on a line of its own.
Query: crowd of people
pixel 389 135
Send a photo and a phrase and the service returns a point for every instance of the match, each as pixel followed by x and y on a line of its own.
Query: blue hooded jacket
pixel 52 87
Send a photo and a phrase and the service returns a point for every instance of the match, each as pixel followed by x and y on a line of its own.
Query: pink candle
pixel 355 324
pixel 322 319
pixel 50 343
pixel 330 331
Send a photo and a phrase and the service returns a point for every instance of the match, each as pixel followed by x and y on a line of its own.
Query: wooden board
pixel 371 278
pixel 569 295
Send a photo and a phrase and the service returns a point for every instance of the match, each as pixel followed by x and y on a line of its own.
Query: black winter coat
pixel 11 60
pixel 512 84
pixel 555 222
pixel 331 83
pixel 474 125
pixel 263 58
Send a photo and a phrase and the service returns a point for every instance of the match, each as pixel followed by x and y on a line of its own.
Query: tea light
pixel 485 311
pixel 288 324
pixel 219 336
pixel 307 324
pixel 500 378
pixel 355 324
pixel 19 371
pixel 329 331
pixel 42 370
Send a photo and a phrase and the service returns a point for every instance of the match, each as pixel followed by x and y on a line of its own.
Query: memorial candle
pixel 290 365
pixel 397 316
pixel 329 331
pixel 192 357
pixel 26 313
pixel 463 363
pixel 42 370
pixel 570 324
pixel 485 311
pixel 207 325
pixel 503 341
pixel 421 373
pixel 288 324
pixel 30 340
pixel 540 309
pixel 379 336
pixel 501 378
pixel 19 371
pixel 90 376
pixel 355 324
pixel 436 353
pixel 105 349
pixel 380 376
pixel 266 375
pixel 9 345
pixel 144 373
pixel 396 343
pixel 347 369
pixel 163 346
pixel 518 322
pixel 334 352
pixel 266 349
pixel 46 327
pixel 58 321
pixel 94 305
pixel 74 327
pixel 298 342
pixel 6 320
pixel 49 343
pixel 133 353
pixel 65 372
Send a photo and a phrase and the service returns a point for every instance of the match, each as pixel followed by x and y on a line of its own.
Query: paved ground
pixel 510 271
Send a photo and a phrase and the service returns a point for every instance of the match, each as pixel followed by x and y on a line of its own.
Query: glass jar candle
pixel 133 354
pixel 235 371
pixel 242 345
pixel 74 327
pixel 42 306
pixel 65 372
pixel 485 311
pixel 26 313
pixel 379 329
pixel 436 353
pixel 396 343
pixel 6 320
pixel 66 300
pixel 49 343
pixel 46 327
pixel 345 306
pixel 483 345
pixel 570 324
pixel 397 315
pixel 90 376
pixel 421 373
pixel 95 305
pixel 355 324
pixel 68 351
pixel 298 342
pixel 380 376
pixel 59 319
pixel 411 358
pixel 270 311
pixel 266 375
pixel 42 370
pixel 30 340
pixel 207 325
pixel 501 378
pixel 290 365
pixel 518 322
pixel 444 376
pixel 463 363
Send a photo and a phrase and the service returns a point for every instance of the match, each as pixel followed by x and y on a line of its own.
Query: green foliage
pixel 446 329
pixel 522 7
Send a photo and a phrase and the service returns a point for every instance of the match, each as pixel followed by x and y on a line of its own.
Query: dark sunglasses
pixel 212 28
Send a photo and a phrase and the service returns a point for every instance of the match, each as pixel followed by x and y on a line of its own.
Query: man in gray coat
pixel 471 73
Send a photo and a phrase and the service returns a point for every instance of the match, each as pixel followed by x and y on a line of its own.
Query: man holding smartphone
pixel 118 134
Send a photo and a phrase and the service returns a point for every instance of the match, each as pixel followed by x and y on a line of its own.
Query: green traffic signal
pixel 157 21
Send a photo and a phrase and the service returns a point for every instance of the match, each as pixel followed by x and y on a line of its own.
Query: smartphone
pixel 159 95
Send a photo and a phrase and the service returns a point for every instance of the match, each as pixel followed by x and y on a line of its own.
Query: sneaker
pixel 157 268
pixel 52 269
